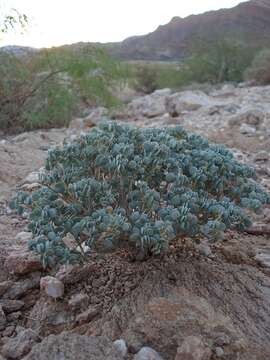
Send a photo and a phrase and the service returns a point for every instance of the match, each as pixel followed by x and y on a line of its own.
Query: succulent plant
pixel 120 185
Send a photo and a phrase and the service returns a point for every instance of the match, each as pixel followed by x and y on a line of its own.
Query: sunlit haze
pixel 57 22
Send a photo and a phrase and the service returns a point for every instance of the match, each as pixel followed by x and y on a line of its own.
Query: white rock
pixel 121 346
pixel 178 103
pixel 219 352
pixel 30 187
pixel 32 178
pixel 247 129
pixel 146 353
pixel 23 237
pixel 262 156
pixel 52 287
pixel 263 259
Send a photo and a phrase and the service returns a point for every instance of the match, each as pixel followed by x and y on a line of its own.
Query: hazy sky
pixel 56 22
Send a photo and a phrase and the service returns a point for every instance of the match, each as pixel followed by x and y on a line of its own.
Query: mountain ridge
pixel 248 22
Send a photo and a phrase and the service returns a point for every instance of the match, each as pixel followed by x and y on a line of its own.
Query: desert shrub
pixel 120 185
pixel 49 87
pixel 217 62
pixel 146 79
pixel 259 71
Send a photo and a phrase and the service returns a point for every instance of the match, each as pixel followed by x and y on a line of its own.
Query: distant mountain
pixel 248 22
pixel 17 50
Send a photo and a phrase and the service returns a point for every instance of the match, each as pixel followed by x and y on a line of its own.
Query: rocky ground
pixel 195 303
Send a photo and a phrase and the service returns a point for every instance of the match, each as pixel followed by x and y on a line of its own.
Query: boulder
pixel 22 261
pixel 78 301
pixel 146 353
pixel 97 115
pixel 76 124
pixel 19 288
pixel 20 345
pixel 186 101
pixel 252 117
pixel 52 287
pixel 193 348
pixel 68 346
pixel 148 106
pixel 87 316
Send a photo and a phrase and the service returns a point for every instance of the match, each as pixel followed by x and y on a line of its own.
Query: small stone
pixel 262 156
pixel 4 286
pixel 77 124
pixel 9 331
pixel 193 348
pixel 222 340
pixel 263 259
pixel 3 319
pixel 19 288
pixel 14 316
pixel 23 237
pixel 204 249
pixel 146 353
pixel 20 345
pixel 10 306
pixel 52 287
pixel 21 261
pixel 32 178
pixel 121 346
pixel 78 301
pixel 87 316
pixel 219 352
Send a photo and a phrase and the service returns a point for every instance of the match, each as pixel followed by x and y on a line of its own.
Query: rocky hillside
pixel 248 22
pixel 199 302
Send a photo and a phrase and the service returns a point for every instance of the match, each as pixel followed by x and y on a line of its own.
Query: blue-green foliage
pixel 144 187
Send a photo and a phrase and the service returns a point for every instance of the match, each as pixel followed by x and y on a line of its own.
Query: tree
pixel 259 71
pixel 219 61
pixel 13 20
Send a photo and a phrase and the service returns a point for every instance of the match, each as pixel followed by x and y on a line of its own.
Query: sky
pixel 58 22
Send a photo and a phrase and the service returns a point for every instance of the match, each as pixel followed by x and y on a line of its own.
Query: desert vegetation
pixel 143 188
pixel 47 88
pixel 213 63
pixel 259 71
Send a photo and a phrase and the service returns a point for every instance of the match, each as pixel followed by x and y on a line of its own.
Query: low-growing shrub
pixel 120 185
pixel 259 71
pixel 146 79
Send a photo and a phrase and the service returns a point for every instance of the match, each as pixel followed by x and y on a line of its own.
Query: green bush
pixel 50 87
pixel 218 62
pixel 146 77
pixel 259 71
pixel 124 186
